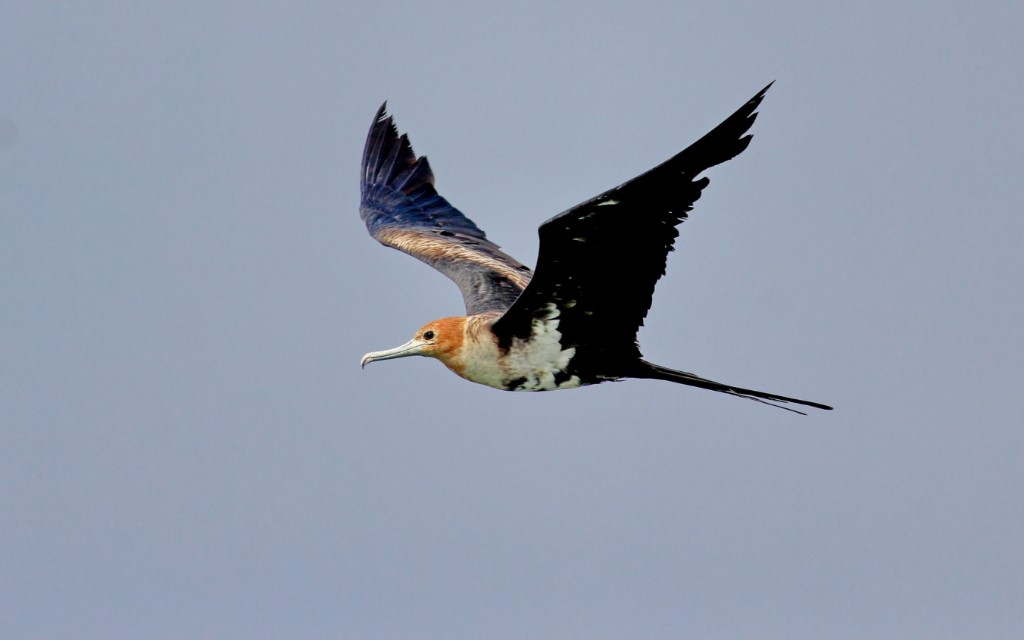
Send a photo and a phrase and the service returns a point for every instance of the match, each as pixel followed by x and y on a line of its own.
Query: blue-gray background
pixel 188 448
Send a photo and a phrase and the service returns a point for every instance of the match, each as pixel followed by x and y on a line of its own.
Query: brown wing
pixel 402 210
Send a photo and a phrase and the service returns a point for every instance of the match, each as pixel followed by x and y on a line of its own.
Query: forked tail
pixel 657 372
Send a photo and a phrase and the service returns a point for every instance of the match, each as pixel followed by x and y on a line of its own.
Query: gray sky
pixel 188 446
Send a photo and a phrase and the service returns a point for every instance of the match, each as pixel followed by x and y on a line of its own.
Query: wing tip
pixel 389 159
pixel 396 184
pixel 754 102
pixel 730 138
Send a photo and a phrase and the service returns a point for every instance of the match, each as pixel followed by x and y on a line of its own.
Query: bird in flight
pixel 573 321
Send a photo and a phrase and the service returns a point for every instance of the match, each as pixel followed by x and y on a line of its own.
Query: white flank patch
pixel 528 365
pixel 607 203
pixel 540 357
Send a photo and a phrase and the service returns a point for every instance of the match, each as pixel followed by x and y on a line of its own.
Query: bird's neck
pixel 469 340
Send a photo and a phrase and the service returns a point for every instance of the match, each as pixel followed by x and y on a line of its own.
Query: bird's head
pixel 441 339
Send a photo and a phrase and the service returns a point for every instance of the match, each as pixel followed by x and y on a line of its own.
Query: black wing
pixel 599 261
pixel 402 210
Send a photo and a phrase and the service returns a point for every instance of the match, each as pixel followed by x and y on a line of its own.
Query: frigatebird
pixel 574 321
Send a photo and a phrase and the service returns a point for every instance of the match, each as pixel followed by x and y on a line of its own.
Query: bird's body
pixel 573 322
pixel 469 347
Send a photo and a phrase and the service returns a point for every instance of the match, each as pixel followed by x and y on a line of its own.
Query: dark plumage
pixel 575 321
pixel 402 209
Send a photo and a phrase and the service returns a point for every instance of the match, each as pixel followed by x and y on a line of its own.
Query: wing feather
pixel 402 209
pixel 599 261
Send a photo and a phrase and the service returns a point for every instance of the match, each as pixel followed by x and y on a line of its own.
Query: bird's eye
pixel 428 335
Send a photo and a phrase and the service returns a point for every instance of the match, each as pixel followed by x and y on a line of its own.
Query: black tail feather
pixel 657 372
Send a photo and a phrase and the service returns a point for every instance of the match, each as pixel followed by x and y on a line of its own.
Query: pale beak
pixel 411 348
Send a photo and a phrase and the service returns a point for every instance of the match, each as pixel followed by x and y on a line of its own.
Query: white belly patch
pixel 535 364
pixel 539 364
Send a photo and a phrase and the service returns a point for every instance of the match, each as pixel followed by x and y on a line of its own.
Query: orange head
pixel 441 339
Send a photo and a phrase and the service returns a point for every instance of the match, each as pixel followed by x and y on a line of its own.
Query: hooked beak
pixel 411 348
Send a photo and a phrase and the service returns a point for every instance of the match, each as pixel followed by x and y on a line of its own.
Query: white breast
pixel 529 365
